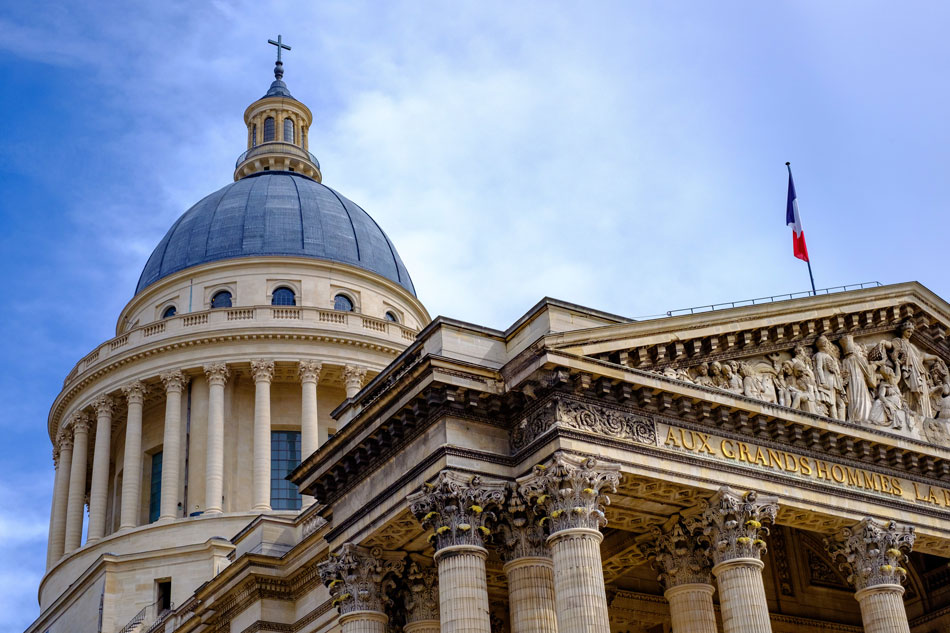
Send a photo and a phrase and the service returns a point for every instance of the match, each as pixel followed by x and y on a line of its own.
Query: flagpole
pixel 811 277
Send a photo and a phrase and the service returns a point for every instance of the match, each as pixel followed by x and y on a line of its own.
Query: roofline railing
pixel 760 300
pixel 276 147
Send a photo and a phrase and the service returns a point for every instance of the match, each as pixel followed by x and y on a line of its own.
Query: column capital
pixel 520 533
pixel 55 455
pixel 135 392
pixel 457 506
pixel 680 552
pixel 309 370
pixel 104 405
pixel 174 380
pixel 217 373
pixel 262 370
pixel 64 439
pixel 734 523
pixel 423 600
pixel 353 376
pixel 355 575
pixel 80 423
pixel 571 490
pixel 873 552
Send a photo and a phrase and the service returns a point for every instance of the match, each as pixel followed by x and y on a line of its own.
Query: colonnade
pixel 71 450
pixel 546 527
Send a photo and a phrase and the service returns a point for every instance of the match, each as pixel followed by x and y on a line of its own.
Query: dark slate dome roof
pixel 275 213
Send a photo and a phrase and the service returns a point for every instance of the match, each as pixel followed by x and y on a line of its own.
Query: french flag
pixel 793 220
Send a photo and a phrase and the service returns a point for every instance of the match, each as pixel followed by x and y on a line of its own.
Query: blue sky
pixel 628 156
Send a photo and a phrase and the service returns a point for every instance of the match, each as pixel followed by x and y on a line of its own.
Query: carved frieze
pixel 583 416
pixel 884 381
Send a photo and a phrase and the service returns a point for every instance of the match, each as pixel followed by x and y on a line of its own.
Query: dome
pixel 275 213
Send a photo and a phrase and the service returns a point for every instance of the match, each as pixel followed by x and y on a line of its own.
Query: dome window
pixel 169 312
pixel 391 317
pixel 283 296
pixel 221 300
pixel 270 131
pixel 342 303
pixel 288 130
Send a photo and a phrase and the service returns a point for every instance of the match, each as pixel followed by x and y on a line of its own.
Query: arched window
pixel 288 130
pixel 221 299
pixel 269 130
pixel 283 296
pixel 391 316
pixel 342 303
pixel 254 136
pixel 169 312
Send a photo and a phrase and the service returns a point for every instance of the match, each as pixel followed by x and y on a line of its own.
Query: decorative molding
pixel 873 552
pixel 519 533
pixel 135 392
pixel 80 423
pixel 353 377
pixel 457 507
pixel 680 553
pixel 583 416
pixel 780 558
pixel 734 523
pixel 570 490
pixel 104 406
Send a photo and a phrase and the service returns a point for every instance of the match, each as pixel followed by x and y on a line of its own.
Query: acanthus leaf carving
pixel 735 523
pixel 873 552
pixel 356 577
pixel 680 553
pixel 458 508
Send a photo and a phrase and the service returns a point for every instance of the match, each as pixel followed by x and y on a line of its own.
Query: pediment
pixel 877 357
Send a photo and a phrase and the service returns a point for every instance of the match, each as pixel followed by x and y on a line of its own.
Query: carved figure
pixel 804 387
pixel 702 376
pixel 888 406
pixel 715 374
pixel 860 377
pixel 828 379
pixel 911 363
pixel 730 379
pixel 751 387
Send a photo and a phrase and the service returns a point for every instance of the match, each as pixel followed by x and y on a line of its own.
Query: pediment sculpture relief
pixel 881 380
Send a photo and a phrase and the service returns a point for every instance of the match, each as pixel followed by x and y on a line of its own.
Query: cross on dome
pixel 280 45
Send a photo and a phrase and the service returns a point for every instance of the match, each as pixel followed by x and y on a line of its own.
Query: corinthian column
pixel 353 377
pixel 455 507
pixel 62 458
pixel 355 577
pixel 132 465
pixel 77 483
pixel 174 382
pixel 733 523
pixel 214 462
pixel 99 488
pixel 570 491
pixel 681 555
pixel 263 373
pixel 309 372
pixel 528 567
pixel 875 554
pixel 422 605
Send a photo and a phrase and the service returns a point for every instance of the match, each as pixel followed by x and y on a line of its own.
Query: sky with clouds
pixel 627 156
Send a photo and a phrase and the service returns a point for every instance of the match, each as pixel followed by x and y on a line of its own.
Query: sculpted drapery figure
pixel 828 378
pixel 859 375
pixel 912 371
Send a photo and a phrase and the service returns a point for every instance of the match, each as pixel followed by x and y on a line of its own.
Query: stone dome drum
pixel 275 213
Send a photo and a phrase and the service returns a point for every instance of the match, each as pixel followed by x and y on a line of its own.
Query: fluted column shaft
pixel 422 626
pixel 531 595
pixel 463 589
pixel 57 527
pixel 882 609
pixel 214 462
pixel 742 596
pixel 579 581
pixel 263 372
pixel 309 372
pixel 364 622
pixel 175 383
pixel 99 488
pixel 132 462
pixel 76 502
pixel 691 608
